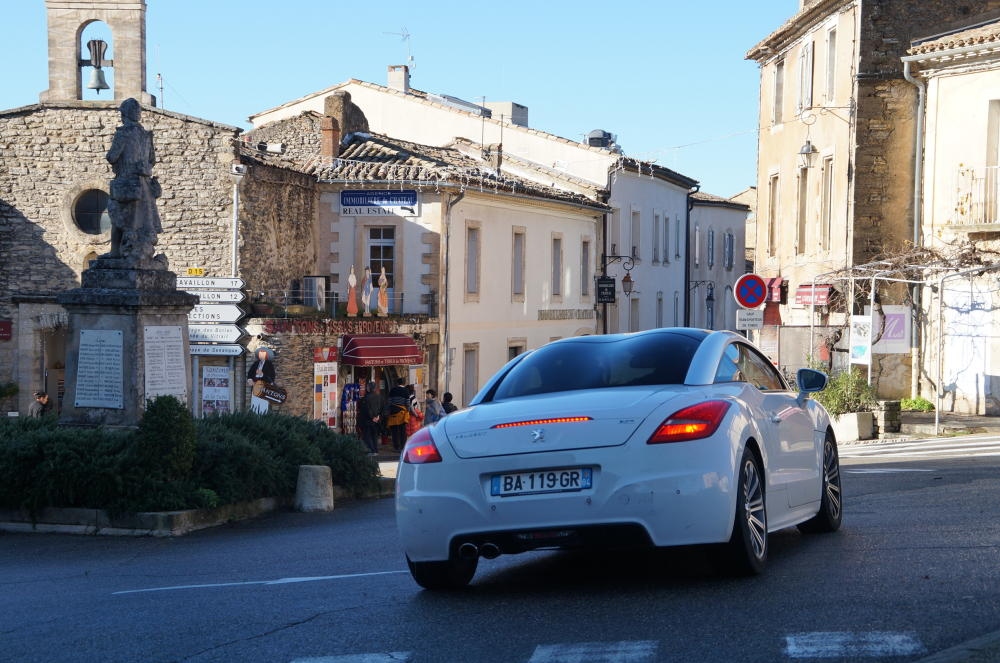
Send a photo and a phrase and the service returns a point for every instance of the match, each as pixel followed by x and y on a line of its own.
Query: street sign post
pixel 218 296
pixel 216 283
pixel 215 333
pixel 215 313
pixel 750 291
pixel 227 350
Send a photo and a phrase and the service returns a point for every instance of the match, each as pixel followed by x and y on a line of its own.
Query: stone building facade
pixel 837 167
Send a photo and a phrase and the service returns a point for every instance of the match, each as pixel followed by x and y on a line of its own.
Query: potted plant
pixel 850 400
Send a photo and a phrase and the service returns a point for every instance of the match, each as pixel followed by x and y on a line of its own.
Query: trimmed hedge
pixel 172 461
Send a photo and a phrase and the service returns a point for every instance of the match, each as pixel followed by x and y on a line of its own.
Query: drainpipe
pixel 915 351
pixel 444 300
pixel 687 255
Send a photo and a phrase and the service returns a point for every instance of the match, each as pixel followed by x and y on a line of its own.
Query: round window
pixel 91 212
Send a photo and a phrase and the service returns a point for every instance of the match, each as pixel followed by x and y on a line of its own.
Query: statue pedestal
pixel 127 342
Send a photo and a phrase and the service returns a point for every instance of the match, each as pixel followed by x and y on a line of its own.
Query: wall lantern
pixel 807 155
pixel 627 284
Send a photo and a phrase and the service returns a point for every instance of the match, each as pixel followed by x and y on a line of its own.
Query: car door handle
pixel 775 418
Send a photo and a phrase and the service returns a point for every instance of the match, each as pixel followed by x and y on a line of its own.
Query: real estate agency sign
pixel 369 202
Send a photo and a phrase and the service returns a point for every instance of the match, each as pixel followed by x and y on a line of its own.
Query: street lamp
pixel 807 154
pixel 606 284
pixel 627 284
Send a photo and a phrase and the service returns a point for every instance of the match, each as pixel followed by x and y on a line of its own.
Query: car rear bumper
pixel 684 496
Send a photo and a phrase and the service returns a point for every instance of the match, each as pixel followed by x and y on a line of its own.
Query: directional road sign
pixel 217 283
pixel 750 291
pixel 229 350
pixel 215 333
pixel 218 296
pixel 215 313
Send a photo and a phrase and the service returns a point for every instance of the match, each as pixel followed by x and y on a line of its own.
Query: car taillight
pixel 420 448
pixel 691 423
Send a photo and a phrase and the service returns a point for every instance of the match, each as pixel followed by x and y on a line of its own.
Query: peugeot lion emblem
pixel 538 435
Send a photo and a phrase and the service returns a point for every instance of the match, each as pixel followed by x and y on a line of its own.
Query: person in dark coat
pixel 40 407
pixel 399 413
pixel 370 417
pixel 446 403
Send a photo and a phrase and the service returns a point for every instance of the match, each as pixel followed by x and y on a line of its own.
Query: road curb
pixel 158 523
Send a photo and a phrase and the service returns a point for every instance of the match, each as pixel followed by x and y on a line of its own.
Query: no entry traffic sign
pixel 750 291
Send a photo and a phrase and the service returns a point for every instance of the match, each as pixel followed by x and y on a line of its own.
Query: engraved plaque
pixel 166 369
pixel 99 373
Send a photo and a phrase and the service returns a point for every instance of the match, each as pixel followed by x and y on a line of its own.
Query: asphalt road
pixel 914 571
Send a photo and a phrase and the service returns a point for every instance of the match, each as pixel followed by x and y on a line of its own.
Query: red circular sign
pixel 750 291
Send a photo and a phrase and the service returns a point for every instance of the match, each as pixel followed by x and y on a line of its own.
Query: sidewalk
pixel 922 424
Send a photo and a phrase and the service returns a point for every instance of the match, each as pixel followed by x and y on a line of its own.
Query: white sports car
pixel 659 438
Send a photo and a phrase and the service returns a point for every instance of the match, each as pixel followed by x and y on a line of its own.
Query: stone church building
pixel 270 208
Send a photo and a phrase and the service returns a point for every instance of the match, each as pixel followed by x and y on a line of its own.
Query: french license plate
pixel 563 480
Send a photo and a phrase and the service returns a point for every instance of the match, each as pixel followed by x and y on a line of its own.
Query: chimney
pixel 399 78
pixel 330 138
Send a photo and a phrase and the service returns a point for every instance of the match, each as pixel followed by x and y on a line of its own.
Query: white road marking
pixel 390 657
pixel 885 470
pixel 279 581
pixel 843 644
pixel 626 651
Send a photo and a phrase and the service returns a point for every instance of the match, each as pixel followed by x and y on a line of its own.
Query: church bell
pixel 97 48
pixel 97 81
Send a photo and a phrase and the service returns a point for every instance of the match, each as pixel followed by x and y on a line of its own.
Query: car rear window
pixel 600 362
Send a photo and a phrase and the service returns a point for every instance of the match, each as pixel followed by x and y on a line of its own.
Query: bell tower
pixel 67 20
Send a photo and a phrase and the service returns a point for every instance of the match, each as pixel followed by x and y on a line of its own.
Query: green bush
pixel 918 404
pixel 171 462
pixel 847 391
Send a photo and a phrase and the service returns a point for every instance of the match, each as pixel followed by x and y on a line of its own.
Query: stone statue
pixel 132 206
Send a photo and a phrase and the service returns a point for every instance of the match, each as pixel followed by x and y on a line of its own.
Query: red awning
pixel 381 350
pixel 774 289
pixel 818 295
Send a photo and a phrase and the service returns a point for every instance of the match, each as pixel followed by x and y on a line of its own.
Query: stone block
pixel 314 490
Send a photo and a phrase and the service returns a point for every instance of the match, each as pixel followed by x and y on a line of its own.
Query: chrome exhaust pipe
pixel 468 551
pixel 489 550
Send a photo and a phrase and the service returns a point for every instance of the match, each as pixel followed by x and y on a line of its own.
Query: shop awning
pixel 818 295
pixel 380 350
pixel 774 289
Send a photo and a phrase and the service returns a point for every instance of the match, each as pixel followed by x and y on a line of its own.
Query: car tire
pixel 453 573
pixel 831 506
pixel 746 552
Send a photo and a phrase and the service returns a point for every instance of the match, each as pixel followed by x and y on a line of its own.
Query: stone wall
pixel 886 116
pixel 277 217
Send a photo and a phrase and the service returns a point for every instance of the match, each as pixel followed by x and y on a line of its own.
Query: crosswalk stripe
pixel 843 644
pixel 626 651
pixel 388 657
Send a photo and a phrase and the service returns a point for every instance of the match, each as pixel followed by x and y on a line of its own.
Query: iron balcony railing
pixel 978 194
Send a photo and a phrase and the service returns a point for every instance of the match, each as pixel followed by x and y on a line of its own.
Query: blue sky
pixel 667 77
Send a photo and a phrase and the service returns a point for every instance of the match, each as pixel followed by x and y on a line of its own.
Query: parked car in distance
pixel 666 437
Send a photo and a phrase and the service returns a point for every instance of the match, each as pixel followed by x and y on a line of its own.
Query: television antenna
pixel 404 35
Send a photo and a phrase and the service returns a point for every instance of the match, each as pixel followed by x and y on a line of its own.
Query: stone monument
pixel 128 336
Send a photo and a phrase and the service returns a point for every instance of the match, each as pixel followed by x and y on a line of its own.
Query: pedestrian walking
pixel 40 407
pixel 433 410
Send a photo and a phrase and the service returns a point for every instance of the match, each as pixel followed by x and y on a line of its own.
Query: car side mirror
pixel 810 380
